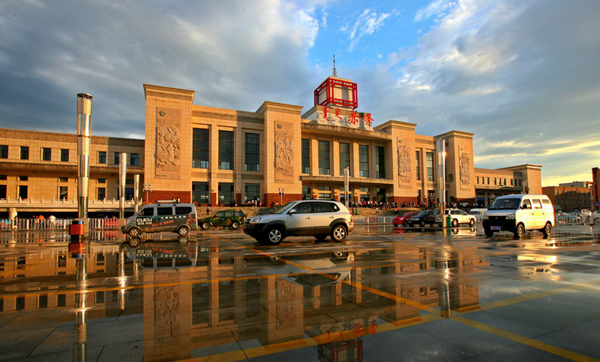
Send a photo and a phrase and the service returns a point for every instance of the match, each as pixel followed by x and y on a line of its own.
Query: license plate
pixel 495 228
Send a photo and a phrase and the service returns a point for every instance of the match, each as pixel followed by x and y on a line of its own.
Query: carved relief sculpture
pixel 168 143
pixel 404 163
pixel 283 154
pixel 465 166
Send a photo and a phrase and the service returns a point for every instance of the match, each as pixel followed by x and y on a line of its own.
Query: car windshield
pixel 506 204
pixel 422 213
pixel 285 208
pixel 407 213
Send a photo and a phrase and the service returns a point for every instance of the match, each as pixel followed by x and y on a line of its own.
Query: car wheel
pixel 454 222
pixel 134 242
pixel 471 222
pixel 205 225
pixel 488 232
pixel 235 225
pixel 338 233
pixel 547 230
pixel 422 223
pixel 340 254
pixel 520 231
pixel 134 232
pixel 183 231
pixel 275 235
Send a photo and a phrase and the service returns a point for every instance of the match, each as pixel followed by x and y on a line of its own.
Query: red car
pixel 399 220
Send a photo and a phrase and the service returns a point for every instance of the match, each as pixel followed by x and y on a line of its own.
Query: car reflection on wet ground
pixel 384 294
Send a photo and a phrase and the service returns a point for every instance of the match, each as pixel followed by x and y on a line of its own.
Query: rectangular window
pixel 24 152
pixel 429 161
pixel 63 179
pixel 46 154
pixel 344 157
pixel 418 164
pixel 128 194
pixel 117 158
pixel 305 156
pixel 451 177
pixel 225 193
pixel 23 192
pixel 63 193
pixel 101 193
pixel 64 155
pixel 363 159
pixel 252 152
pixel 306 192
pixel 102 157
pixel 134 159
pixel 3 177
pixel 226 147
pixel 23 178
pixel 200 193
pixel 200 148
pixel 3 151
pixel 324 161
pixel 379 162
pixel 252 192
pixel 2 191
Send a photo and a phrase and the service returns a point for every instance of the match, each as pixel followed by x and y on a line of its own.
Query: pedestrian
pixel 207 211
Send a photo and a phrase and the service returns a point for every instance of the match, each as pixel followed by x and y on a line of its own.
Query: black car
pixel 425 217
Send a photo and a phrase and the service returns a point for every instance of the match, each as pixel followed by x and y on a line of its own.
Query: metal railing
pixel 54 224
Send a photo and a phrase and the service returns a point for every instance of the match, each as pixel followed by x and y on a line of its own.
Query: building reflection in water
pixel 200 300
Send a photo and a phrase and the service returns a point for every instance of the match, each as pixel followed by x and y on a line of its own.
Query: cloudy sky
pixel 523 76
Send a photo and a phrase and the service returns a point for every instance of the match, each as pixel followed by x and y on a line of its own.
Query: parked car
pixel 163 216
pixel 478 213
pixel 231 218
pixel 519 214
pixel 457 217
pixel 400 219
pixel 318 218
pixel 425 217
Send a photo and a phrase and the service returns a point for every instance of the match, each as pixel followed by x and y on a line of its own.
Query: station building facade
pixel 216 156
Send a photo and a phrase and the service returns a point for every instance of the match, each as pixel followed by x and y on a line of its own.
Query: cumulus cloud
pixel 232 53
pixel 509 71
pixel 367 23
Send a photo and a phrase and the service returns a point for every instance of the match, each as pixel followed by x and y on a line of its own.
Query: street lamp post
pixel 147 189
pixel 281 193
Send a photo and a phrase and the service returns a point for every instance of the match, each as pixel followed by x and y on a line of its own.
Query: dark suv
pixel 232 218
pixel 318 218
pixel 425 217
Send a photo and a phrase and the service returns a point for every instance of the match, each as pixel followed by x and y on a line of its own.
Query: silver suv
pixel 318 218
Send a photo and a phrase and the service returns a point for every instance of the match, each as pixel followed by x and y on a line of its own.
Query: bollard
pixel 76 229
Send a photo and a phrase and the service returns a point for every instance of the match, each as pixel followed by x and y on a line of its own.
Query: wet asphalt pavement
pixel 385 294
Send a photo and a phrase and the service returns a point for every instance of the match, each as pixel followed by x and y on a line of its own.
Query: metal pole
pixel 346 184
pixel 136 192
pixel 122 178
pixel 441 171
pixel 84 134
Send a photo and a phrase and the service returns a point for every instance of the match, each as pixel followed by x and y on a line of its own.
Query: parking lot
pixel 396 294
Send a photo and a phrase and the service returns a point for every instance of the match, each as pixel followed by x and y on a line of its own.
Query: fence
pixel 54 224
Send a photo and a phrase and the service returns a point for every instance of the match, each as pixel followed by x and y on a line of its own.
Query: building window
pixel 102 157
pixel 63 179
pixel 24 152
pixel 128 194
pixel 3 151
pixel 305 156
pixel 418 164
pixel 363 159
pixel 344 157
pixel 324 160
pixel 2 191
pixel 64 155
pixel 101 193
pixel 117 158
pixel 200 147
pixel 305 192
pixel 252 152
pixel 200 193
pixel 23 192
pixel 379 162
pixel 23 178
pixel 429 161
pixel 63 193
pixel 450 177
pixel 252 192
pixel 225 193
pixel 46 154
pixel 3 177
pixel 134 159
pixel 101 180
pixel 226 147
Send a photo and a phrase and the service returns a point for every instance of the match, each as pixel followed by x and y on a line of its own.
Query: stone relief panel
pixel 284 148
pixel 404 163
pixel 168 143
pixel 465 167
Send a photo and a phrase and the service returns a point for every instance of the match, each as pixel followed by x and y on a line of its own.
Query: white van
pixel 519 214
pixel 163 216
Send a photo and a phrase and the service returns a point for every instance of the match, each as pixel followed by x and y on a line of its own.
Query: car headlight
pixel 510 217
pixel 485 217
pixel 254 220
